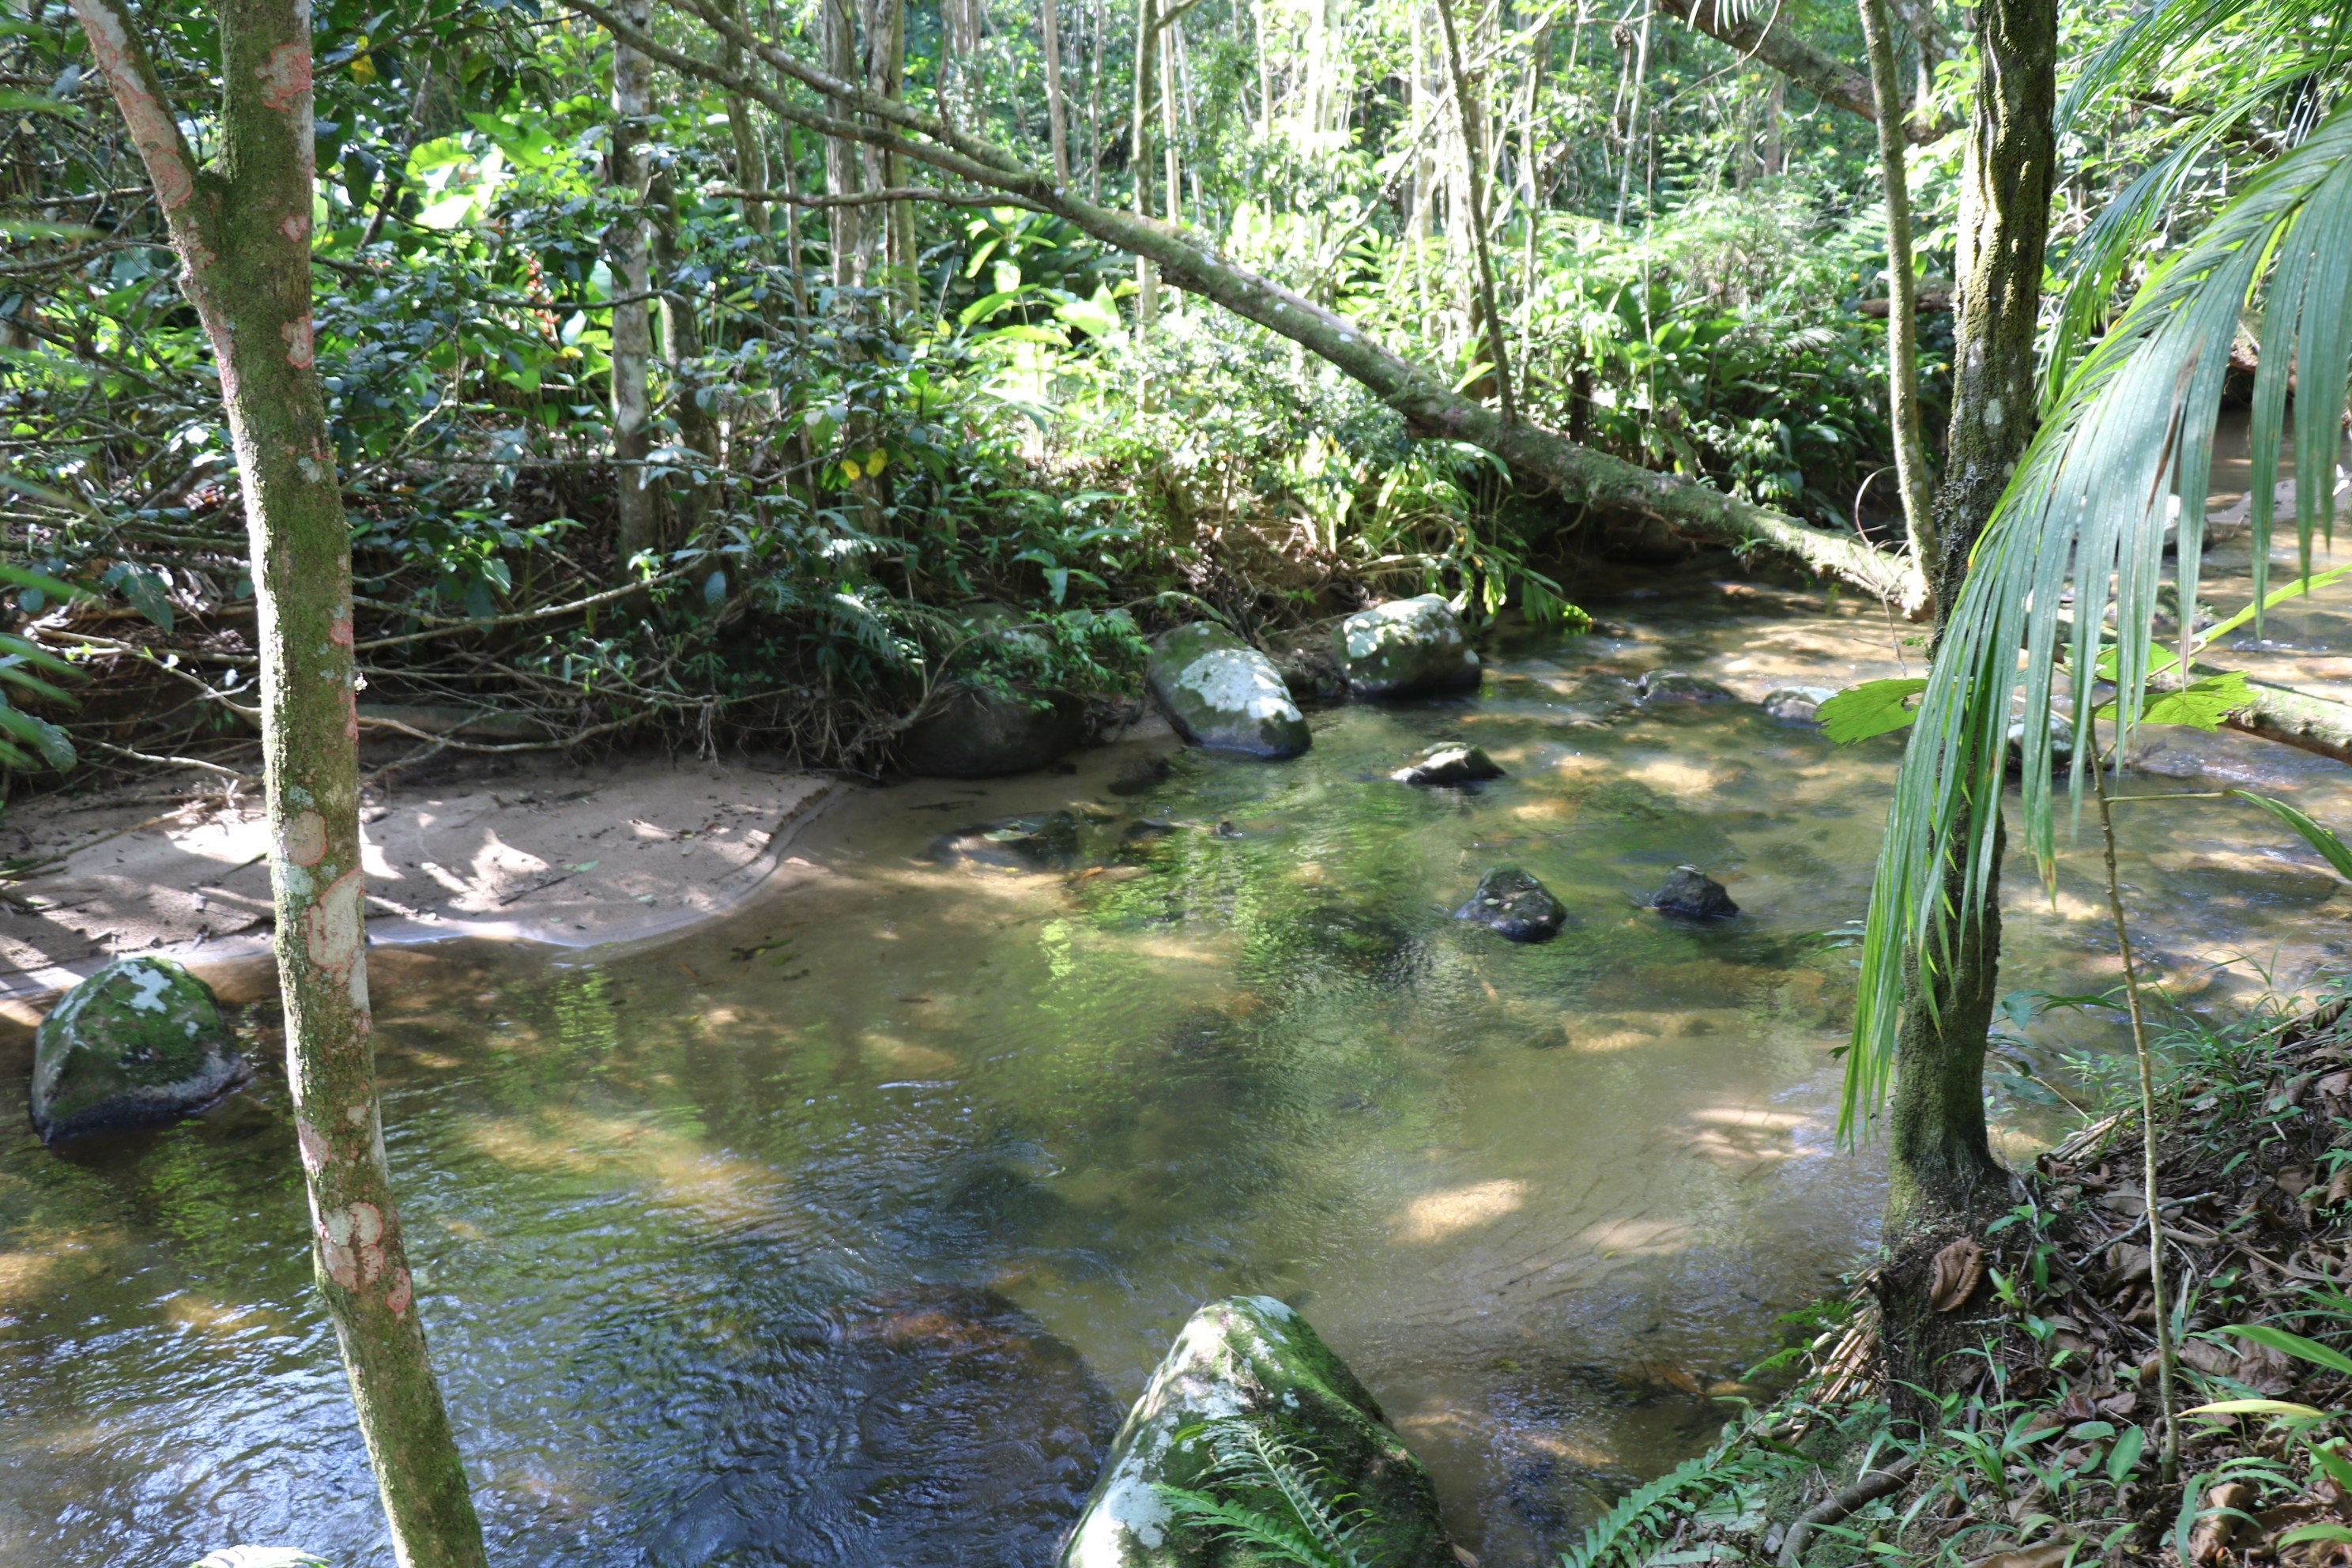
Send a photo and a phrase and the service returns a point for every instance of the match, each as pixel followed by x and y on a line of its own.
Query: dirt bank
pixel 560 853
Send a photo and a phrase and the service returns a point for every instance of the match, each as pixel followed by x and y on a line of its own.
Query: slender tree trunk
pixel 682 347
pixel 1266 65
pixel 1944 1181
pixel 1142 153
pixel 885 35
pixel 1171 150
pixel 242 229
pixel 1094 100
pixel 751 147
pixel 1901 287
pixel 1472 122
pixel 1057 116
pixel 1633 111
pixel 1531 198
pixel 845 173
pixel 636 499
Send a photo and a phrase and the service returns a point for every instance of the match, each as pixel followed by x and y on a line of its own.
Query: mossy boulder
pixel 140 1041
pixel 1407 648
pixel 1225 695
pixel 1253 1359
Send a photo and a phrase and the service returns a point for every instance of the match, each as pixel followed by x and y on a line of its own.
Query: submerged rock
pixel 1407 648
pixel 927 1428
pixel 140 1041
pixel 1694 895
pixel 1045 842
pixel 1449 765
pixel 1515 905
pixel 1663 686
pixel 969 733
pixel 1251 1364
pixel 1795 705
pixel 1222 694
pixel 1141 775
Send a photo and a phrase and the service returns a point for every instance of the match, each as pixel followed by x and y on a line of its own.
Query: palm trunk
pixel 242 229
pixel 1902 287
pixel 636 502
pixel 1943 1179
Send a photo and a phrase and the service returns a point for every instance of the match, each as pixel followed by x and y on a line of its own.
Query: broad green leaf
pixel 1089 316
pixel 2330 846
pixel 54 747
pixel 2332 1460
pixel 2295 1346
pixel 2125 1454
pixel 2259 1407
pixel 1873 708
pixel 25 577
pixel 2200 705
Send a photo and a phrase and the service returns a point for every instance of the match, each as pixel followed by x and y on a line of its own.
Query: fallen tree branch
pixel 1838 1505
pixel 1757 37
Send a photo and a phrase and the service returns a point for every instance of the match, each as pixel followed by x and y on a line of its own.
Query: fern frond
pixel 1265 1533
pixel 1305 1484
pixel 1633 1519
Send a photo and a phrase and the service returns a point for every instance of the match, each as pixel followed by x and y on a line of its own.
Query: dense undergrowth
pixel 2048 1450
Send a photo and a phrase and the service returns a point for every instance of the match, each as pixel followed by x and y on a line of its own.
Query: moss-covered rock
pixel 1250 1358
pixel 140 1041
pixel 1407 648
pixel 1222 694
pixel 1515 905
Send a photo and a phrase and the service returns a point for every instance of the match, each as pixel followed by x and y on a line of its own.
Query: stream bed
pixel 844 1231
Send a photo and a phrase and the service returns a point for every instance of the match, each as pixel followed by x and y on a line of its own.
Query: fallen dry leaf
pixel 2215 1532
pixel 2053 1555
pixel 1959 1269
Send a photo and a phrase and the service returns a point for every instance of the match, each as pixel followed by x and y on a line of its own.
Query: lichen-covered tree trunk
pixel 242 228
pixel 637 501
pixel 845 173
pixel 1056 110
pixel 1140 153
pixel 1945 1181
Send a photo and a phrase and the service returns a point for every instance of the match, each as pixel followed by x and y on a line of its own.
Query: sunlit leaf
pixel 2200 705
pixel 2295 1345
pixel 2332 848
pixel 1873 708
pixel 2258 1407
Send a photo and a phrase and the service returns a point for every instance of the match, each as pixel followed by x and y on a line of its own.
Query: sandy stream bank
pixel 562 856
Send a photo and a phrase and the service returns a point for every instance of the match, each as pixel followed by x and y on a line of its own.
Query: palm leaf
pixel 2086 511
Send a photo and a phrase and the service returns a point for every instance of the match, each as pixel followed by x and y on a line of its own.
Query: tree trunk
pixel 1472 122
pixel 682 348
pixel 1141 153
pixel 1764 36
pixel 636 499
pixel 1633 111
pixel 242 229
pixel 1943 1179
pixel 1901 287
pixel 845 173
pixel 1094 100
pixel 885 33
pixel 1057 116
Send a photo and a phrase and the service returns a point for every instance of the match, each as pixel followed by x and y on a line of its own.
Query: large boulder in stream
pixel 140 1041
pixel 1407 648
pixel 968 732
pixel 1250 1365
pixel 1222 694
pixel 1515 906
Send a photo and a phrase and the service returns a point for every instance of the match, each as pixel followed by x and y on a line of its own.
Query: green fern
pixel 1634 1519
pixel 1269 1493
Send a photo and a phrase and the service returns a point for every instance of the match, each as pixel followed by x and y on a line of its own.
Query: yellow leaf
pixel 363 63
pixel 850 472
pixel 876 461
pixel 2258 1407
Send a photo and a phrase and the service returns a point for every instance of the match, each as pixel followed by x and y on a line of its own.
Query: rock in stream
pixel 1222 694
pixel 1446 765
pixel 1515 905
pixel 140 1041
pixel 1243 1364
pixel 1694 895
pixel 1408 648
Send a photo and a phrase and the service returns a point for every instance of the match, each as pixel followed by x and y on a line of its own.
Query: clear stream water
pixel 842 1233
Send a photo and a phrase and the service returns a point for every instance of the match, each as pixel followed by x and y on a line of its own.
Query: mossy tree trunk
pixel 1944 1180
pixel 241 227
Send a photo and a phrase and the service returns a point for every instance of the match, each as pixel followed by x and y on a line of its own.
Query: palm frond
pixel 2131 428
pixel 2151 36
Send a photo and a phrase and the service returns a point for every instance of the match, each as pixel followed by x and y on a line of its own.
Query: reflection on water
pixel 842 1233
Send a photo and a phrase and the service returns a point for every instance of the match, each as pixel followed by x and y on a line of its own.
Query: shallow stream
pixel 842 1233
